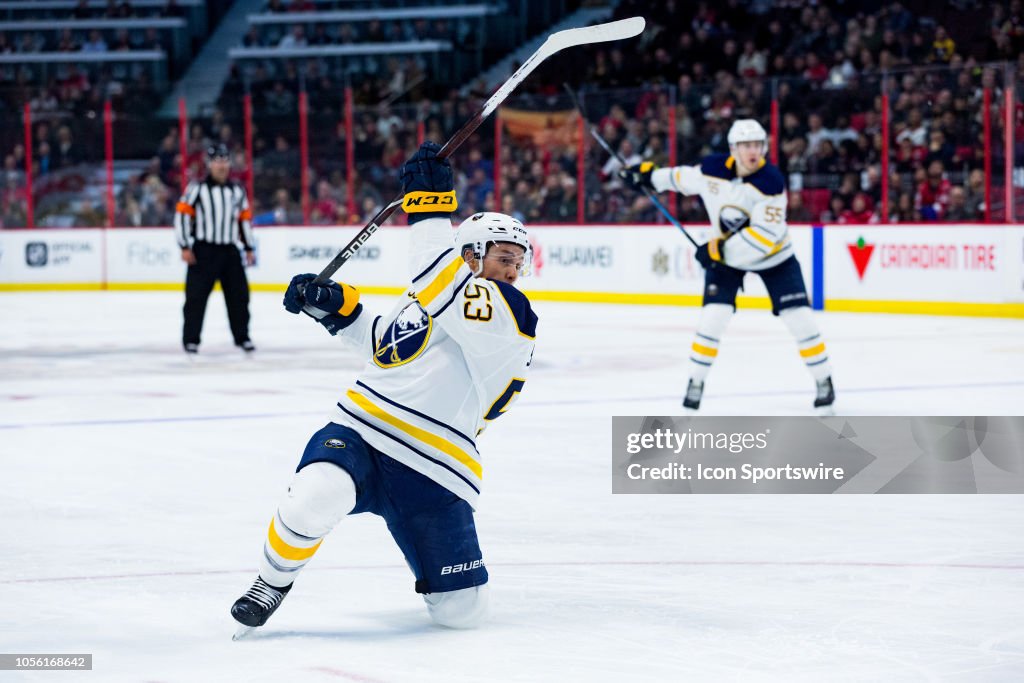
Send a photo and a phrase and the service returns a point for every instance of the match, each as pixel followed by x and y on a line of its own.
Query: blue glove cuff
pixel 335 323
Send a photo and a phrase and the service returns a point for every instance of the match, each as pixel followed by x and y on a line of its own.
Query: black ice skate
pixel 825 398
pixel 694 390
pixel 255 607
pixel 246 346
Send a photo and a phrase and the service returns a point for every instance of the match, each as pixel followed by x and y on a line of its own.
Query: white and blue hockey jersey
pixel 451 356
pixel 750 212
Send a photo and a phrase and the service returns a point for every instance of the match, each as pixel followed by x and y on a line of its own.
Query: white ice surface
pixel 135 490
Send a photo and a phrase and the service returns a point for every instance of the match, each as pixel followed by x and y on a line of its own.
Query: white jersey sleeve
pixel 428 238
pixel 362 334
pixel 683 179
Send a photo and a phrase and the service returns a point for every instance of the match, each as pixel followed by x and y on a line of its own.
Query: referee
pixel 211 220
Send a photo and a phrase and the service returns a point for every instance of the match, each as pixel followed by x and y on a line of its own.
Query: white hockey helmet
pixel 748 130
pixel 488 227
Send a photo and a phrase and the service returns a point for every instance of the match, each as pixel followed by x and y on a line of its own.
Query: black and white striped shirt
pixel 213 212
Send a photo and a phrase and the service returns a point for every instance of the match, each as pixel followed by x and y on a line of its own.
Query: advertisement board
pixel 59 257
pixel 920 263
pixel 939 269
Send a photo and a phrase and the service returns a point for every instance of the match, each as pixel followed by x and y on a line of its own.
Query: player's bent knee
pixel 319 495
pixel 465 608
pixel 799 320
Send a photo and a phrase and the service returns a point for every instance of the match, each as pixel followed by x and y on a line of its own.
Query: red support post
pixel 350 156
pixel 304 155
pixel 420 132
pixel 30 219
pixel 108 138
pixel 775 132
pixel 581 130
pixel 183 142
pixel 497 161
pixel 885 158
pixel 986 112
pixel 1008 148
pixel 673 201
pixel 247 126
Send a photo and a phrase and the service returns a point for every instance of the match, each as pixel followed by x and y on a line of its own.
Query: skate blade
pixel 242 632
pixel 825 411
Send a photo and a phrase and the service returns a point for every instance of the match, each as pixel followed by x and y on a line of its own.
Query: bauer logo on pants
pixel 464 567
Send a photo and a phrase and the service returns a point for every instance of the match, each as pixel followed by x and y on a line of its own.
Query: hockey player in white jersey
pixel 745 198
pixel 449 358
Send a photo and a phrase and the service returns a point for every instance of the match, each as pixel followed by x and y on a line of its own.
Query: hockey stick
pixel 600 33
pixel 608 148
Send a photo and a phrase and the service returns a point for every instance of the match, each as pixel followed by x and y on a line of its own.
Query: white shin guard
pixel 714 318
pixel 801 325
pixel 319 496
pixel 465 608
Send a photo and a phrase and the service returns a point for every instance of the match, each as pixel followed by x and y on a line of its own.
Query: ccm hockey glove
pixel 638 176
pixel 427 185
pixel 333 305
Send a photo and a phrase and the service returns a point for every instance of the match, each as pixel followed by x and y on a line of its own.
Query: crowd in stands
pixel 79 89
pixel 375 78
pixel 91 40
pixel 825 63
pixel 702 65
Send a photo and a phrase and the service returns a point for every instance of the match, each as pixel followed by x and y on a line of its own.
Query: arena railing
pixel 50 63
pixel 376 14
pixel 350 50
pixel 175 26
pixel 194 10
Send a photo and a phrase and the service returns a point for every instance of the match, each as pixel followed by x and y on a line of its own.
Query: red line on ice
pixel 343 674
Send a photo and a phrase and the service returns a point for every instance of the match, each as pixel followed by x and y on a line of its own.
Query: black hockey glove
pixel 638 176
pixel 427 185
pixel 710 253
pixel 333 305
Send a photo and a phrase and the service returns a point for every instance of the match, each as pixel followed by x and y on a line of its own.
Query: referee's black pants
pixel 216 262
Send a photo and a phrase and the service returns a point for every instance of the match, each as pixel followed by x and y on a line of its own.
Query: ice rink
pixel 136 487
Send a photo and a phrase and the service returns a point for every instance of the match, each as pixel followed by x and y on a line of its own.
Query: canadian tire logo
pixel 861 255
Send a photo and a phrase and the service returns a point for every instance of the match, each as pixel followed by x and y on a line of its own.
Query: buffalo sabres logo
pixel 405 338
pixel 732 219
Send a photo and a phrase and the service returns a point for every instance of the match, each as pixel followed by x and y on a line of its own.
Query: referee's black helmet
pixel 218 151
